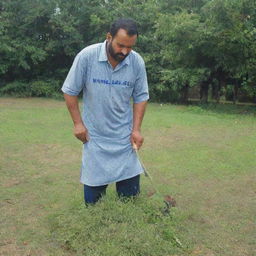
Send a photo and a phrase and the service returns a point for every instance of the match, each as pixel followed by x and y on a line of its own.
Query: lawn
pixel 203 156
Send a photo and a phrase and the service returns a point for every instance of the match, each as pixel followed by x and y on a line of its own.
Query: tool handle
pixel 135 147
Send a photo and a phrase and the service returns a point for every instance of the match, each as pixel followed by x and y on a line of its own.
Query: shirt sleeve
pixel 140 92
pixel 75 79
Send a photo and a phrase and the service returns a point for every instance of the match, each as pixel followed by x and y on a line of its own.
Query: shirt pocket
pixel 121 96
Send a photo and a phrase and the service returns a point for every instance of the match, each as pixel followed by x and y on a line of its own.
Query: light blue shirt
pixel 107 113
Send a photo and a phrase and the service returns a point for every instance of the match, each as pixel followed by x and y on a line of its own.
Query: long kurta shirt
pixel 108 156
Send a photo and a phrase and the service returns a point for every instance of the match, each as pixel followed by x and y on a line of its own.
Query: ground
pixel 204 157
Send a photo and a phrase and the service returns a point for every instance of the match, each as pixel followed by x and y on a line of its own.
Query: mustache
pixel 121 54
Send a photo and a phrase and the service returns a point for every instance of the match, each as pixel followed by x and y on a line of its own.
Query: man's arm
pixel 138 114
pixel 80 130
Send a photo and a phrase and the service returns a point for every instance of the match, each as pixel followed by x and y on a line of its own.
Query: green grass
pixel 203 156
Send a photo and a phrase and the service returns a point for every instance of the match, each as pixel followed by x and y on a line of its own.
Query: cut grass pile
pixel 114 227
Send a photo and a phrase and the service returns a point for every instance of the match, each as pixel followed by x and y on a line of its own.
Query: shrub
pixel 46 88
pixel 16 88
pixel 38 88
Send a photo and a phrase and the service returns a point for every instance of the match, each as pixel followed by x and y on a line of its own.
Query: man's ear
pixel 109 37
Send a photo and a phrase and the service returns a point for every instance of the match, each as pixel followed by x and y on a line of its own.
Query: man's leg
pixel 129 187
pixel 93 194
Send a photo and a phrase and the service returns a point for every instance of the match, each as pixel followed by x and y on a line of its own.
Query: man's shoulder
pixel 91 50
pixel 136 58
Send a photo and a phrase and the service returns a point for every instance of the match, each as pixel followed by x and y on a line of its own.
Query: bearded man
pixel 110 74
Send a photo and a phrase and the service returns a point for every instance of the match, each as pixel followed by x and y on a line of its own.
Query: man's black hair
pixel 127 24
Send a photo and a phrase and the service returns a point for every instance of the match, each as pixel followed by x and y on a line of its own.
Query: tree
pixel 195 43
pixel 180 53
pixel 232 39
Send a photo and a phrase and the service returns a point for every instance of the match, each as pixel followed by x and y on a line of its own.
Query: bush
pixel 38 88
pixel 16 88
pixel 162 93
pixel 47 88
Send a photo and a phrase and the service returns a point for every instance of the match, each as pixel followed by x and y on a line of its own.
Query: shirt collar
pixel 103 55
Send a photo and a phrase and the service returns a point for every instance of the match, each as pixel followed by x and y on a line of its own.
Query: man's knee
pixel 93 194
pixel 129 187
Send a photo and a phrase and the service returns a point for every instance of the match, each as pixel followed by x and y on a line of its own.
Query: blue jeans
pixel 124 188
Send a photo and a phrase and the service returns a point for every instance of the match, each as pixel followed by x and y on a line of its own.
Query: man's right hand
pixel 81 132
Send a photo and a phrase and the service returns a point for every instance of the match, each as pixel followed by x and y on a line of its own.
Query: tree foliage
pixel 195 45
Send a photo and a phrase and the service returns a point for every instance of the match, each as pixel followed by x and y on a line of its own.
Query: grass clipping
pixel 114 227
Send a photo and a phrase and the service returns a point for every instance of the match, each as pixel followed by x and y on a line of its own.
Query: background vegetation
pixel 202 49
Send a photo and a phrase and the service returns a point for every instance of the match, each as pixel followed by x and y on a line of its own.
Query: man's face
pixel 120 45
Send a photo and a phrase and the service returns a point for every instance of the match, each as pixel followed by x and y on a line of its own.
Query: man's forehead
pixel 122 37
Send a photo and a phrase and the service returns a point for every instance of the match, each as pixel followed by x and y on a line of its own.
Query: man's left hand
pixel 136 139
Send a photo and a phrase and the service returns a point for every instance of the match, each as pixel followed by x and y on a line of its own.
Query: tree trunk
pixel 204 88
pixel 235 92
pixel 220 75
pixel 216 91
pixel 221 85
pixel 254 98
pixel 184 94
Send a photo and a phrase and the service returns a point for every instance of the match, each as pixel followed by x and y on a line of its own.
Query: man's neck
pixel 111 60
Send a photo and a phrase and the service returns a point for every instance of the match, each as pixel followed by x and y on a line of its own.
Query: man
pixel 110 74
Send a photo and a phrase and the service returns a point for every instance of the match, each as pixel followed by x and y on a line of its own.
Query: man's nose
pixel 124 51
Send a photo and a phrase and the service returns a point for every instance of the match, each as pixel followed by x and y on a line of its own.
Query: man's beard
pixel 116 56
